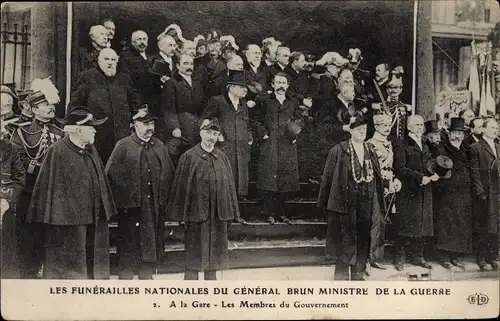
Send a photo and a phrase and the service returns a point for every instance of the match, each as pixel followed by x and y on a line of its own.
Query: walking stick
pixel 389 208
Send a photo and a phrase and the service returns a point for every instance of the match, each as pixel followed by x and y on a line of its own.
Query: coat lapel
pixel 487 147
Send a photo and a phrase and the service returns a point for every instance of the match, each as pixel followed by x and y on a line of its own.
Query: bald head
pixel 167 44
pixel 235 63
pixel 108 60
pixel 254 55
pixel 139 40
pixel 99 36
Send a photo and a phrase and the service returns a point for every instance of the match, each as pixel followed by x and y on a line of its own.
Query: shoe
pixel 271 220
pixel 422 263
pixel 494 265
pixel 447 265
pixel 286 220
pixel 482 265
pixel 459 264
pixel 378 266
pixel 399 266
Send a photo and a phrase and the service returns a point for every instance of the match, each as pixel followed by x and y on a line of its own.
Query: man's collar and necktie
pixel 417 139
pixel 188 79
pixel 491 143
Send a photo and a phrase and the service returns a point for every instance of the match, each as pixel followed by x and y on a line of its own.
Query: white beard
pixel 110 72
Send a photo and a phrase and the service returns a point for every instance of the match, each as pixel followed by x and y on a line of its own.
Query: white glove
pixel 250 104
pixel 397 185
pixel 4 205
pixel 176 133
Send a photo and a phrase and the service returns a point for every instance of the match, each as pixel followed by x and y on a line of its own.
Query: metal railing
pixel 15 69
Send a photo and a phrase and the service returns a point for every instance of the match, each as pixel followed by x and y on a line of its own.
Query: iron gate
pixel 16 54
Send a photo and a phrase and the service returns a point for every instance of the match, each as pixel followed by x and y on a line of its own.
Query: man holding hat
pixel 482 156
pixel 140 174
pixel 351 195
pixel 278 121
pixel 384 151
pixel 72 199
pixel 203 196
pixel 453 199
pixel 32 142
pixel 414 220
pixel 107 93
pixel 236 133
pixel 183 101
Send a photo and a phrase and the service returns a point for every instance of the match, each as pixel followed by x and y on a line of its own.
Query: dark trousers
pixel 486 246
pixel 274 203
pixel 412 247
pixel 193 275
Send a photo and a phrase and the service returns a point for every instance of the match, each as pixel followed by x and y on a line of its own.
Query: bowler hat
pixel 431 126
pixel 159 67
pixel 80 116
pixel 457 123
pixel 441 166
pixel 207 124
pixel 143 115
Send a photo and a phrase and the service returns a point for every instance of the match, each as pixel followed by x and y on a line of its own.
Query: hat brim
pixel 254 87
pixel 431 165
pixel 146 119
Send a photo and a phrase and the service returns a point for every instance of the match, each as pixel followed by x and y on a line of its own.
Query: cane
pixel 389 208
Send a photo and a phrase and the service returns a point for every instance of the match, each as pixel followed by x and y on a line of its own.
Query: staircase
pixel 259 244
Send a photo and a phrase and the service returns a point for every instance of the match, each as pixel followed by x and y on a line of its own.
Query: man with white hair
pixel 414 222
pixel 107 93
pixel 72 200
pixel 253 67
pixel 89 54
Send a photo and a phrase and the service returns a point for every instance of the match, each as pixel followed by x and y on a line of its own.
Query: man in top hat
pixel 73 200
pixel 236 135
pixel 183 101
pixel 203 196
pixel 32 141
pixel 394 107
pixel 351 195
pixel 278 122
pixel 432 137
pixel 107 93
pixel 453 200
pixel 483 155
pixel 391 185
pixel 11 185
pixel 414 220
pixel 140 173
pixel 89 54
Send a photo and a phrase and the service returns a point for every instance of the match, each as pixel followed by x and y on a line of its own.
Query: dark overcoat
pixel 253 76
pixel 482 158
pixel 337 198
pixel 299 83
pixel 453 204
pixel 183 105
pixel 112 97
pixel 190 193
pixel 237 133
pixel 63 197
pixel 133 64
pixel 414 216
pixel 12 183
pixel 124 170
pixel 277 165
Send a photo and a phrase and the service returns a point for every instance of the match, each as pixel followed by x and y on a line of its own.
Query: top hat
pixel 431 126
pixel 457 123
pixel 159 68
pixel 143 115
pixel 80 116
pixel 239 77
pixel 441 166
pixel 212 124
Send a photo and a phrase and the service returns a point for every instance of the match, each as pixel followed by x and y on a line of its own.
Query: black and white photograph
pixel 155 142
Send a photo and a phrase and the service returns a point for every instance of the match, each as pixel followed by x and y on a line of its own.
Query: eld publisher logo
pixel 478 299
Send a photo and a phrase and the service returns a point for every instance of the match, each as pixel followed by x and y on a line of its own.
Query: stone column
pixel 425 80
pixel 48 45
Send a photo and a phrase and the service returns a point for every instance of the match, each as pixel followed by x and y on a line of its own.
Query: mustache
pixel 189 69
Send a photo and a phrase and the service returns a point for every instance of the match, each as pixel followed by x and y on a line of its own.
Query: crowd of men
pixel 168 137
